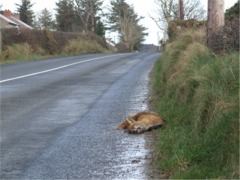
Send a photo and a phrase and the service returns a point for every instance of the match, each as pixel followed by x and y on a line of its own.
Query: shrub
pixel 52 42
pixel 232 12
pixel 21 52
pixel 80 46
pixel 177 26
pixel 226 39
pixel 16 51
pixel 122 48
pixel 43 43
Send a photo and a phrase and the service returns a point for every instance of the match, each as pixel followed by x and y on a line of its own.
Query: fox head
pixel 134 126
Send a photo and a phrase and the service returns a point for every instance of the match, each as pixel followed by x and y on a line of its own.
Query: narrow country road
pixel 58 117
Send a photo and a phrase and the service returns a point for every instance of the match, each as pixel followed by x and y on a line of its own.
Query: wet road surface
pixel 58 117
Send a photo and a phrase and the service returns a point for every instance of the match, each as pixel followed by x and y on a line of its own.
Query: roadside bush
pixel 16 51
pixel 122 48
pixel 80 46
pixel 45 43
pixel 226 39
pixel 197 93
pixel 177 26
pixel 34 38
pixel 51 43
pixel 20 52
pixel 232 12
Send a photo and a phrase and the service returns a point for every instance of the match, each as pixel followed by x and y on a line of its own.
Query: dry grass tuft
pixel 16 51
pixel 80 46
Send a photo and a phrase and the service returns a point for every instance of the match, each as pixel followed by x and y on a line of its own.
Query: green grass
pixel 198 94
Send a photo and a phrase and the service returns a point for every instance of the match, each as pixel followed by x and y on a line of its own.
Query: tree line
pixel 87 16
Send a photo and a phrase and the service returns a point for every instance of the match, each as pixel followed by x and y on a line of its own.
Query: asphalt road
pixel 58 117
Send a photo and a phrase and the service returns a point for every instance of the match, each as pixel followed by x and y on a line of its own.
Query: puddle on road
pixel 133 158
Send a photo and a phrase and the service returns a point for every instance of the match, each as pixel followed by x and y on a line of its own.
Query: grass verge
pixel 197 93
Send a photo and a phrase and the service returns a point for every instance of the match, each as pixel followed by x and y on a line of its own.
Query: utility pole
pixel 180 10
pixel 215 16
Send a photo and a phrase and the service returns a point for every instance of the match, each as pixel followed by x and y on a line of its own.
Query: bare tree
pixel 167 10
pixel 194 10
pixel 130 30
pixel 122 18
pixel 165 13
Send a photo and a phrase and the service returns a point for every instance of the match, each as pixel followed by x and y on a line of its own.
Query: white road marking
pixel 54 69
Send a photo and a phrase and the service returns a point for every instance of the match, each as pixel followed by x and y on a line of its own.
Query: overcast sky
pixel 142 7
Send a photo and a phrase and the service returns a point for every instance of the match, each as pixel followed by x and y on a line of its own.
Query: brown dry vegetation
pixel 35 44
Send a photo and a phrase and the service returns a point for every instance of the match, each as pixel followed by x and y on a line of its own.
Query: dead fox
pixel 142 121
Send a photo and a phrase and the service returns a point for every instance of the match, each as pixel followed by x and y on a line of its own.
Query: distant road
pixel 58 117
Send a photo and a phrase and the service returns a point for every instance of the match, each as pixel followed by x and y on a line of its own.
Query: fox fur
pixel 141 122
